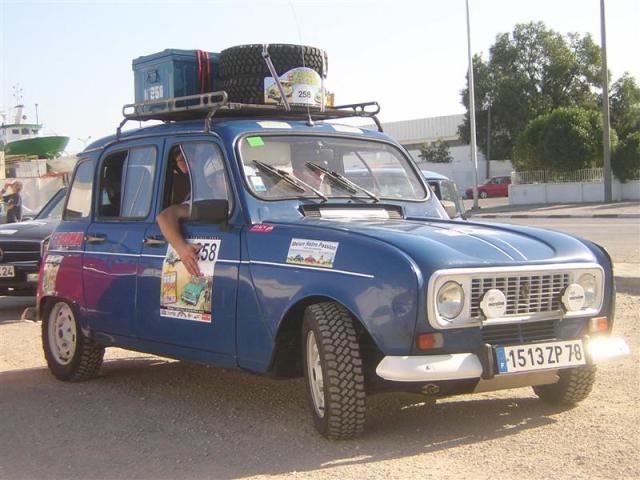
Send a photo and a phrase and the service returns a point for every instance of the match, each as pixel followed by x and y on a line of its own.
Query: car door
pixel 113 240
pixel 175 307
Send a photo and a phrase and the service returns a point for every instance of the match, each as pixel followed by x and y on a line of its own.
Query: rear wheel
pixel 574 385
pixel 70 354
pixel 333 371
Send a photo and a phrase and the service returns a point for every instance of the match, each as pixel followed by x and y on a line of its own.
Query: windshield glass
pixel 53 208
pixel 377 169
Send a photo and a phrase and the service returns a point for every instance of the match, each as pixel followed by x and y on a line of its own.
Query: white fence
pixel 547 176
pixel 575 192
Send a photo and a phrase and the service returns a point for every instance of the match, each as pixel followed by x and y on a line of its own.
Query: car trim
pixel 426 368
pixel 224 260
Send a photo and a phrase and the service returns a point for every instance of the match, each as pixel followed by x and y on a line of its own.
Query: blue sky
pixel 73 58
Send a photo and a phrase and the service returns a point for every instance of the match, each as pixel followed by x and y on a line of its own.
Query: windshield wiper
pixel 341 180
pixel 289 179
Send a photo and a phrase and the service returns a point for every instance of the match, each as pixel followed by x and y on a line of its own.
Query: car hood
pixel 446 244
pixel 36 230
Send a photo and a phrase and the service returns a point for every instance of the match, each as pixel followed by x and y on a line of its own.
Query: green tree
pixel 436 152
pixel 564 140
pixel 625 106
pixel 530 72
pixel 625 161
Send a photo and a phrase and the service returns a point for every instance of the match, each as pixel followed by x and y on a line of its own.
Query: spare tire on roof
pixel 244 89
pixel 247 60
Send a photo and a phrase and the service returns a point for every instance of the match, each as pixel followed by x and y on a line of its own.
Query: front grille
pixel 516 333
pixel 526 294
pixel 19 251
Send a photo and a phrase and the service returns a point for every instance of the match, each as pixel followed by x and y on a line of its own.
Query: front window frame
pixel 309 195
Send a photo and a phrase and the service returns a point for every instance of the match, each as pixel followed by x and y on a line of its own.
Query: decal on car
pixel 316 253
pixel 50 273
pixel 262 228
pixel 187 296
pixel 66 240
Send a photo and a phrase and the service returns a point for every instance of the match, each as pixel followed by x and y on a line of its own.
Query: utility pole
pixel 488 169
pixel 606 136
pixel 472 116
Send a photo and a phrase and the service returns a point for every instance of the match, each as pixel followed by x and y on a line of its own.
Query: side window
pixel 79 203
pixel 196 171
pixel 138 186
pixel 126 183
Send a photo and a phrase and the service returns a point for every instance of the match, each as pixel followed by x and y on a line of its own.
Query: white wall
pixel 571 192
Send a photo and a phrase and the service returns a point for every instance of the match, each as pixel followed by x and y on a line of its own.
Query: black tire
pixel 246 60
pixel 574 385
pixel 244 89
pixel 343 412
pixel 70 355
pixel 484 194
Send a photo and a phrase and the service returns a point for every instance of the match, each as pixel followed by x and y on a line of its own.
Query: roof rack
pixel 217 103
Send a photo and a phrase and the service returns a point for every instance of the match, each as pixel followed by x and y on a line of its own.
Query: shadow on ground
pixel 154 418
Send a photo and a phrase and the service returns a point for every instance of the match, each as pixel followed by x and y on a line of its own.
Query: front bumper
pixel 24 282
pixel 465 366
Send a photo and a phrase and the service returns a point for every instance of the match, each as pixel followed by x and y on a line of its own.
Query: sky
pixel 73 58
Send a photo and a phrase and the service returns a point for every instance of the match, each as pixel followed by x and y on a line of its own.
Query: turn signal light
pixel 598 324
pixel 427 341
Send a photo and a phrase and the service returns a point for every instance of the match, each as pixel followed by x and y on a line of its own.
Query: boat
pixel 24 139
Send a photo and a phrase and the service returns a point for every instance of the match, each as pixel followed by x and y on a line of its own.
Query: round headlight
pixel 450 300
pixel 588 283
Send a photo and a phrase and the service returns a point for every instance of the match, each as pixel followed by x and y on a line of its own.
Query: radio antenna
pixel 295 18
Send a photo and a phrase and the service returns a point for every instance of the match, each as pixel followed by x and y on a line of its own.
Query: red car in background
pixel 492 187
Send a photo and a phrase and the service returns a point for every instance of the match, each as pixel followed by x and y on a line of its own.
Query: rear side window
pixel 126 183
pixel 79 203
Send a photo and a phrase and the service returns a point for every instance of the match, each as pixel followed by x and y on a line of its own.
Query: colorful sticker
pixel 262 228
pixel 301 86
pixel 258 184
pixel 66 240
pixel 272 124
pixel 187 296
pixel 255 141
pixel 346 129
pixel 315 253
pixel 50 273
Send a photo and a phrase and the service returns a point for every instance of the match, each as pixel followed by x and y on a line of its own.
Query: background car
pixel 446 190
pixel 21 248
pixel 492 187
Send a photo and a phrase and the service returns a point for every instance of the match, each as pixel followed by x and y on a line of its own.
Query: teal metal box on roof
pixel 174 73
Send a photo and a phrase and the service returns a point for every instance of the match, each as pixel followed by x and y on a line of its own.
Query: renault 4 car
pixel 316 266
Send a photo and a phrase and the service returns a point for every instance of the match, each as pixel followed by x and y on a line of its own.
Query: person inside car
pixel 169 219
pixel 213 184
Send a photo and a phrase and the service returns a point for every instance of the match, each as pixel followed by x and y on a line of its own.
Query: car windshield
pixel 53 208
pixel 286 166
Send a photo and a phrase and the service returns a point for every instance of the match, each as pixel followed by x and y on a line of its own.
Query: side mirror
pixel 210 211
pixel 450 208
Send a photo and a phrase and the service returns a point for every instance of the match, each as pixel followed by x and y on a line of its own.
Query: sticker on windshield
pixel 258 184
pixel 316 253
pixel 50 273
pixel 187 296
pixel 255 141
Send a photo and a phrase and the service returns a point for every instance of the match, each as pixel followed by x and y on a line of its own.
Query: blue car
pixel 318 265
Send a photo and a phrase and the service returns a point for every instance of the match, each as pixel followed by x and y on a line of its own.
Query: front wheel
pixel 483 194
pixel 574 385
pixel 70 354
pixel 333 371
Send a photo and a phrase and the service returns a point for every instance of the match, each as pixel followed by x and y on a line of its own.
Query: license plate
pixel 7 271
pixel 540 356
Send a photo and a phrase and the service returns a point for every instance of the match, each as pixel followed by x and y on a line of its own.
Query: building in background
pixel 413 134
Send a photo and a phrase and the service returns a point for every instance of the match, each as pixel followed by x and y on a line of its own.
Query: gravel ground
pixel 148 417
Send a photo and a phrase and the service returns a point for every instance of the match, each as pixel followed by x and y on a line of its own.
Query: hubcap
pixel 62 333
pixel 314 372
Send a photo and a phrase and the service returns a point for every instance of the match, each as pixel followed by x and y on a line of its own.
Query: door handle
pixel 95 237
pixel 154 241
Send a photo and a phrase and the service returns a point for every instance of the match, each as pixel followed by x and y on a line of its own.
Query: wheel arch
pixel 287 354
